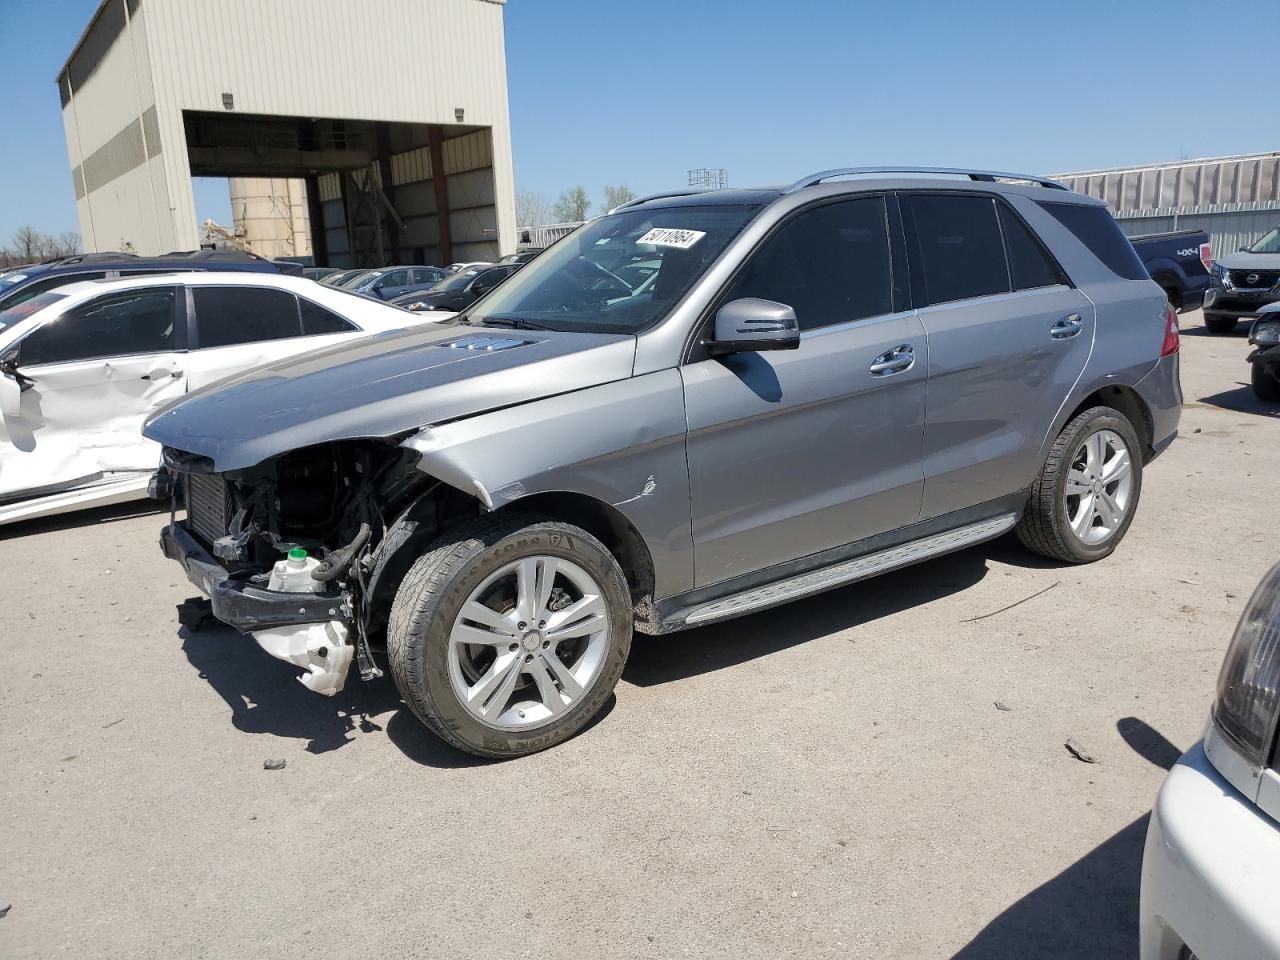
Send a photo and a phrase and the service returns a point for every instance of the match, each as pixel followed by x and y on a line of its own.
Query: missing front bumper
pixel 238 603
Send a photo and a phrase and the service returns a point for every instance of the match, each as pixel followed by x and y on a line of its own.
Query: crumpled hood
pixel 1250 261
pixel 383 385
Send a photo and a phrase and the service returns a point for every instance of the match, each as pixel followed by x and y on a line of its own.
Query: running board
pixel 845 572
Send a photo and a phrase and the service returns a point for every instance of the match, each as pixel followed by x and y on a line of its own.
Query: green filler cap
pixel 297 553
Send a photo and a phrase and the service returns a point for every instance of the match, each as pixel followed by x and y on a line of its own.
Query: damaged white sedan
pixel 82 366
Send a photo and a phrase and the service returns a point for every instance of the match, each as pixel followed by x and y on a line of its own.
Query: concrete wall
pixel 406 61
pixel 271 214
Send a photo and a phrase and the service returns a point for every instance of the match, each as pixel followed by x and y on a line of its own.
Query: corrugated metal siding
pixel 1221 182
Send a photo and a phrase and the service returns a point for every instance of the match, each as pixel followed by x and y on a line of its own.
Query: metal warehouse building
pixel 1235 199
pixel 394 112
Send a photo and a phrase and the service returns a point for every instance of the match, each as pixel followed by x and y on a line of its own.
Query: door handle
pixel 1067 327
pixel 897 360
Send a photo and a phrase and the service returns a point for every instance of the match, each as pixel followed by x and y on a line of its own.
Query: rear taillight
pixel 1170 345
pixel 1206 255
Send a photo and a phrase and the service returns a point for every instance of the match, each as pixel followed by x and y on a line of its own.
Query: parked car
pixel 1264 336
pixel 1179 262
pixel 468 265
pixel 780 412
pixel 1243 283
pixel 391 282
pixel 523 257
pixel 21 285
pixel 1211 868
pixel 458 291
pixel 319 273
pixel 82 366
pixel 342 277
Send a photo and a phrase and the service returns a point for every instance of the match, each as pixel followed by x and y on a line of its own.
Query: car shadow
pixel 1089 909
pixel 265 697
pixel 1241 332
pixel 84 518
pixel 1242 400
pixel 671 657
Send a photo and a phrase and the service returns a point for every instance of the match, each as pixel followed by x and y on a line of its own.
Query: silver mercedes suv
pixel 805 386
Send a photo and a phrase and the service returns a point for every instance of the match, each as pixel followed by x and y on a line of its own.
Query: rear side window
pixel 1030 264
pixel 316 320
pixel 231 315
pixel 959 250
pixel 116 325
pixel 830 264
pixel 1094 227
pixel 23 294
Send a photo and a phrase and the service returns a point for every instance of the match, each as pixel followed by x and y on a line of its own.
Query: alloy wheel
pixel 528 642
pixel 1099 487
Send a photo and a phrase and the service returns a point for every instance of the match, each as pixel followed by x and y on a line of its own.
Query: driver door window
pixel 120 324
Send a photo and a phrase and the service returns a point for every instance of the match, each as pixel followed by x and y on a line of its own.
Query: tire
pixel 1265 384
pixel 1046 524
pixel 1219 322
pixel 434 673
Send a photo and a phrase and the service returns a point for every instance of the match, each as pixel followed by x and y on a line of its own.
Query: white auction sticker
pixel 670 237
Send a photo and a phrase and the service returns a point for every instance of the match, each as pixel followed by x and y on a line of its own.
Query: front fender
pixel 622 443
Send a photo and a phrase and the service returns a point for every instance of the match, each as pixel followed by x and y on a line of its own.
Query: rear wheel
pixel 1219 322
pixel 507 637
pixel 1086 494
pixel 1265 384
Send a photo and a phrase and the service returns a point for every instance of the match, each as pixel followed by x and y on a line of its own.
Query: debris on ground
pixel 4 909
pixel 112 723
pixel 1079 752
pixel 273 764
pixel 195 612
pixel 1014 604
pixel 1003 707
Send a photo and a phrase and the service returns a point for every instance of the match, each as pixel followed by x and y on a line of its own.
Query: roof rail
pixel 989 176
pixel 665 195
pixel 90 258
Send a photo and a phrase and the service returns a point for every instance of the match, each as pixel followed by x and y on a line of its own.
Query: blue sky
pixel 637 93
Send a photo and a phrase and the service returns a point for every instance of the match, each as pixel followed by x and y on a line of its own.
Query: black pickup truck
pixel 1179 262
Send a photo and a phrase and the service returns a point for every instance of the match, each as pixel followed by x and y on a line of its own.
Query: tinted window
pixel 830 264
pixel 227 315
pixel 1096 229
pixel 11 315
pixel 394 278
pixel 1030 264
pixel 316 320
pixel 428 275
pixel 137 321
pixel 24 294
pixel 960 253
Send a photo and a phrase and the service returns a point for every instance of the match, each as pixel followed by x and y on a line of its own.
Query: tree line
pixel 533 210
pixel 29 245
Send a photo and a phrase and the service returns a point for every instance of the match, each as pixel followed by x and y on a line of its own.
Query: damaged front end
pixel 289 550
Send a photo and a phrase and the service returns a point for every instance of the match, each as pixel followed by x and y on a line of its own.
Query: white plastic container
pixel 322 649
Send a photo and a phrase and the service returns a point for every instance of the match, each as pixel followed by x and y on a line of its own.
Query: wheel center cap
pixel 1097 486
pixel 532 640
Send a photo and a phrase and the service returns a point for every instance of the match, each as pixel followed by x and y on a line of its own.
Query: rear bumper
pixel 1268 356
pixel 1161 390
pixel 1210 871
pixel 236 602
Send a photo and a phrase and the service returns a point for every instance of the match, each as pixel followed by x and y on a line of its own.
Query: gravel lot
pixel 831 778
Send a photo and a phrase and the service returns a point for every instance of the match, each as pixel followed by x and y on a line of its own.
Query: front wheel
pixel 1086 494
pixel 508 635
pixel 1219 322
pixel 1265 384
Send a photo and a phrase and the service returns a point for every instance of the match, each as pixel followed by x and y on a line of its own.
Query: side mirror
pixel 10 395
pixel 750 325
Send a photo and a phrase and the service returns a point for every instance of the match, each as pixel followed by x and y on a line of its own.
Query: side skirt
pixel 696 608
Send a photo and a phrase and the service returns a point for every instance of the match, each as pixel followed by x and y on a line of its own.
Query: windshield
pixel 619 273
pixel 457 281
pixel 1270 243
pixel 25 309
